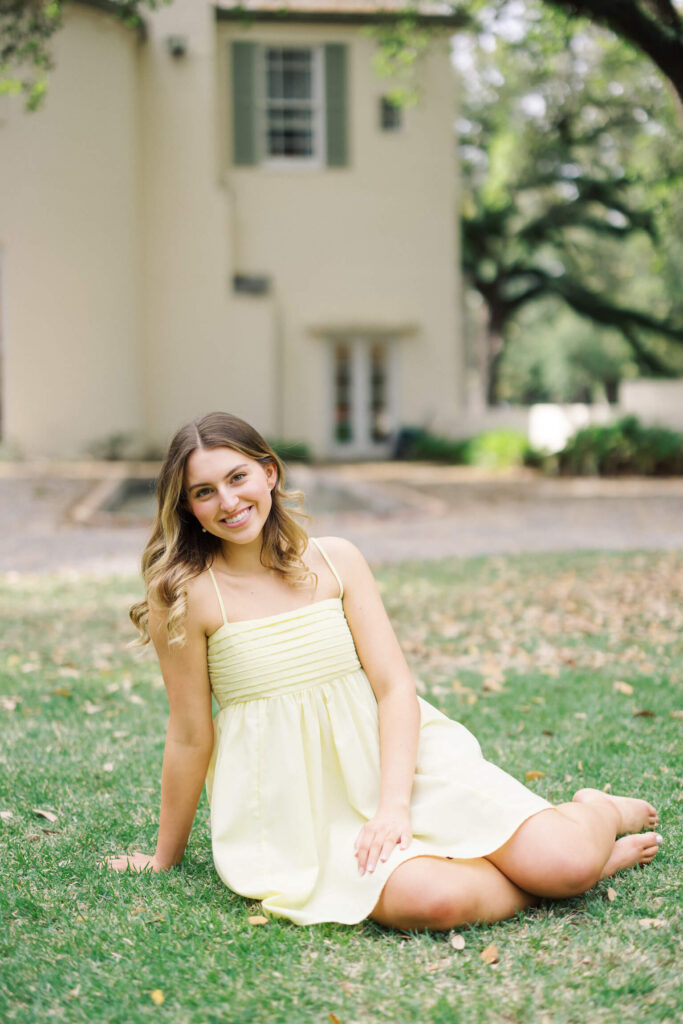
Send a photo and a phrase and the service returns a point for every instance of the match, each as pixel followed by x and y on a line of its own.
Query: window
pixel 289 105
pixel 389 115
pixel 343 424
pixel 292 104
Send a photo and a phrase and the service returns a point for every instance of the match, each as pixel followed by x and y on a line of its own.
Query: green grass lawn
pixel 525 651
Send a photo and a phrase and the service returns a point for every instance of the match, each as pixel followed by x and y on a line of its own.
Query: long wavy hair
pixel 178 550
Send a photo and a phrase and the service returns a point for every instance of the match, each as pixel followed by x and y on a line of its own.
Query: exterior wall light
pixel 176 45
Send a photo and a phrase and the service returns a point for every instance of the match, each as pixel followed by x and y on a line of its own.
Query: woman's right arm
pixel 189 740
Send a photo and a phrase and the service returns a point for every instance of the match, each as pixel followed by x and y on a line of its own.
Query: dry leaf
pixel 61 691
pixel 622 687
pixel 157 997
pixel 334 1018
pixel 534 775
pixel 6 815
pixel 490 954
pixel 677 714
pixel 611 894
pixel 580 714
pixel 258 919
pixel 48 815
pixel 134 699
pixel 9 703
pixel 108 766
pixel 457 941
pixel 652 922
pixel 68 673
pixel 644 713
pixel 91 709
pixel 492 685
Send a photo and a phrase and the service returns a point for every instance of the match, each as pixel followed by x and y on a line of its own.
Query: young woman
pixel 336 793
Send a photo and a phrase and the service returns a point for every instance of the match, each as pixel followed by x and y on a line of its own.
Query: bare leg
pixel 564 851
pixel 436 893
pixel 633 814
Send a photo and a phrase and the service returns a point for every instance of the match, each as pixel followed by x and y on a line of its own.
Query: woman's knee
pixel 432 905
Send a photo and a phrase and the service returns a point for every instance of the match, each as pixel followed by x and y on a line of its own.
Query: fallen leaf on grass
pixel 457 941
pixel 644 713
pixel 652 922
pixel 490 954
pixel 157 997
pixel 492 685
pixel 91 709
pixel 440 965
pixel 622 687
pixel 6 815
pixel 108 766
pixel 48 815
pixel 258 919
pixel 534 775
pixel 9 703
pixel 334 1018
pixel 61 691
pixel 677 714
pixel 580 714
pixel 68 673
pixel 611 894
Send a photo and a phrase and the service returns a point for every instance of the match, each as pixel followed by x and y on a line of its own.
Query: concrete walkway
pixel 52 515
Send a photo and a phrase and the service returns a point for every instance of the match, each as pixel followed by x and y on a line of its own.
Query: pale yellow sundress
pixel 295 769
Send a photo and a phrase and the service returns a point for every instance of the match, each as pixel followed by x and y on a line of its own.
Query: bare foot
pixel 631 850
pixel 633 814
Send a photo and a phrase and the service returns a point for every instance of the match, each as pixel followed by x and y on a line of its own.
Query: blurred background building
pixel 227 211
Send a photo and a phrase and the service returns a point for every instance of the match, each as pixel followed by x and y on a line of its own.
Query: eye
pixel 238 476
pixel 203 492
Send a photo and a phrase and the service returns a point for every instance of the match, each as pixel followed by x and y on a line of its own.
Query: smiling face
pixel 229 493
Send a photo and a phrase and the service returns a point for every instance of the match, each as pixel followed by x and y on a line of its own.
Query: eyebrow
pixel 243 465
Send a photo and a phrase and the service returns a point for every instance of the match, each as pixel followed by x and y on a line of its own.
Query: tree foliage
pixel 27 29
pixel 572 182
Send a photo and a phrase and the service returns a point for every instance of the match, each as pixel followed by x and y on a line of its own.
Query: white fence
pixel 549 426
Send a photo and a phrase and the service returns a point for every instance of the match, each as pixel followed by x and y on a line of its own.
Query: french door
pixel 364 382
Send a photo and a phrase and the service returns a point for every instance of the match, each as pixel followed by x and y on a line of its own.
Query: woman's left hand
pixel 377 838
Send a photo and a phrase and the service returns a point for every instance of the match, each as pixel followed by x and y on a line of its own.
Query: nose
pixel 228 500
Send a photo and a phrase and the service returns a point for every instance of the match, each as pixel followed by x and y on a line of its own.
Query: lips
pixel 238 518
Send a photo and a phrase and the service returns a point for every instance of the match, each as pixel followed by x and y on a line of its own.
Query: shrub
pixel 291 451
pixel 625 446
pixel 495 449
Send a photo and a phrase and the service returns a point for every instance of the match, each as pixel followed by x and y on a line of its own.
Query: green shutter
pixel 243 103
pixel 336 104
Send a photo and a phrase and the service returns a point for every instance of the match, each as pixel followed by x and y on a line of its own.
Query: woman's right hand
pixel 134 862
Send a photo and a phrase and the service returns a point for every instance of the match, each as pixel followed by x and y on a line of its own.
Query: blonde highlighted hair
pixel 178 550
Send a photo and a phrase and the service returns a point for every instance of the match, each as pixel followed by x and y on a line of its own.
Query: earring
pixel 203 529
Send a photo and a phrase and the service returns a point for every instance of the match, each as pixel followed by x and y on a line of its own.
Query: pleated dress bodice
pixel 285 653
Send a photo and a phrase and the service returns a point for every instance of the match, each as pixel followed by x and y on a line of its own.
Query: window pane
pixel 343 426
pixel 289 142
pixel 380 427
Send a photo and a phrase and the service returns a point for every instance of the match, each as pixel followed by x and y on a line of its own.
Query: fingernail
pixel 659 839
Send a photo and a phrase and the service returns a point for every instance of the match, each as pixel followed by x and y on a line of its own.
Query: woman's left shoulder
pixel 342 553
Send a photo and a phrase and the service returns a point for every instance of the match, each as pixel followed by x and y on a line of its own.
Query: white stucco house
pixel 223 211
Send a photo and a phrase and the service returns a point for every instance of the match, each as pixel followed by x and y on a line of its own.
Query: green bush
pixel 291 451
pixel 625 446
pixel 493 449
pixel 497 449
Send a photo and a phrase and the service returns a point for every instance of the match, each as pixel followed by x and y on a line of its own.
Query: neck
pixel 243 559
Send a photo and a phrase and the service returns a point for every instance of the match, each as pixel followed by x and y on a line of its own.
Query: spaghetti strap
pixel 334 571
pixel 218 594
